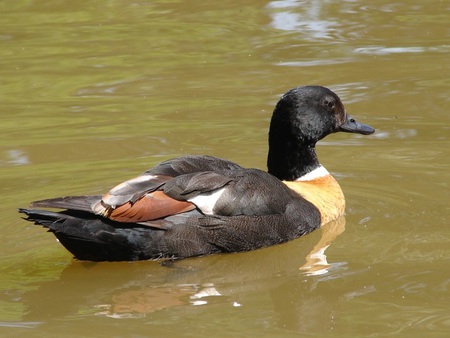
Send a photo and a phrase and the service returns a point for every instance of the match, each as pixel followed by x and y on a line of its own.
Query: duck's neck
pixel 290 162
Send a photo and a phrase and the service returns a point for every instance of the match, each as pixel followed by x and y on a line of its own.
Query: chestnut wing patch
pixel 139 199
pixel 151 206
pixel 151 197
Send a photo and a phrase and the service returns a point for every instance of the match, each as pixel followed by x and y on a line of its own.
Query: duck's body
pixel 199 205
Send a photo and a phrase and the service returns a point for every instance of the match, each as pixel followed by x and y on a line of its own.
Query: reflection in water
pixel 15 157
pixel 396 134
pixel 137 303
pixel 25 325
pixel 316 261
pixel 293 15
pixel 133 290
pixel 383 50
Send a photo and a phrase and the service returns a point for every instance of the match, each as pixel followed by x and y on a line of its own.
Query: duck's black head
pixel 303 116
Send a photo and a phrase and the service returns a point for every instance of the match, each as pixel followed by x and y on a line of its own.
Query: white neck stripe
pixel 316 173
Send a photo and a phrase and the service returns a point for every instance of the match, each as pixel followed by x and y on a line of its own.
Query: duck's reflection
pixel 137 289
pixel 316 260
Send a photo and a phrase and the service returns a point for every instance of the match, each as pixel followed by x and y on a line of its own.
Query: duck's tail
pixel 81 203
pixel 90 237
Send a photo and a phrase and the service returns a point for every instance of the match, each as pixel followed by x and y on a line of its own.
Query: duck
pixel 199 205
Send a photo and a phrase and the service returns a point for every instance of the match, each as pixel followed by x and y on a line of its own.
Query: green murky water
pixel 94 92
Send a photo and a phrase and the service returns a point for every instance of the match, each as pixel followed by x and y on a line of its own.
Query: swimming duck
pixel 199 205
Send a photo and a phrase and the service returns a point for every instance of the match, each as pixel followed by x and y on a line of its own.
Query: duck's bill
pixel 353 126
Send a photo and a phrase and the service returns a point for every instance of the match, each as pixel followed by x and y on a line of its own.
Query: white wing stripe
pixel 206 202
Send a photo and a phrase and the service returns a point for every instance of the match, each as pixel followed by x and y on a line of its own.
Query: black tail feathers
pixel 93 238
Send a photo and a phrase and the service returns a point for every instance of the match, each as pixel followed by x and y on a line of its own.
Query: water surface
pixel 92 93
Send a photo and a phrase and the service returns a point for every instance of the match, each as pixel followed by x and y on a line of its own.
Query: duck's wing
pixel 213 186
pixel 145 198
pixel 244 192
pixel 152 195
pixel 130 202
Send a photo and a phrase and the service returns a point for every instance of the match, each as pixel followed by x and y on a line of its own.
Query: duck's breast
pixel 325 193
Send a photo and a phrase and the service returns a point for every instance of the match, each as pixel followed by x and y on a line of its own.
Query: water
pixel 93 93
